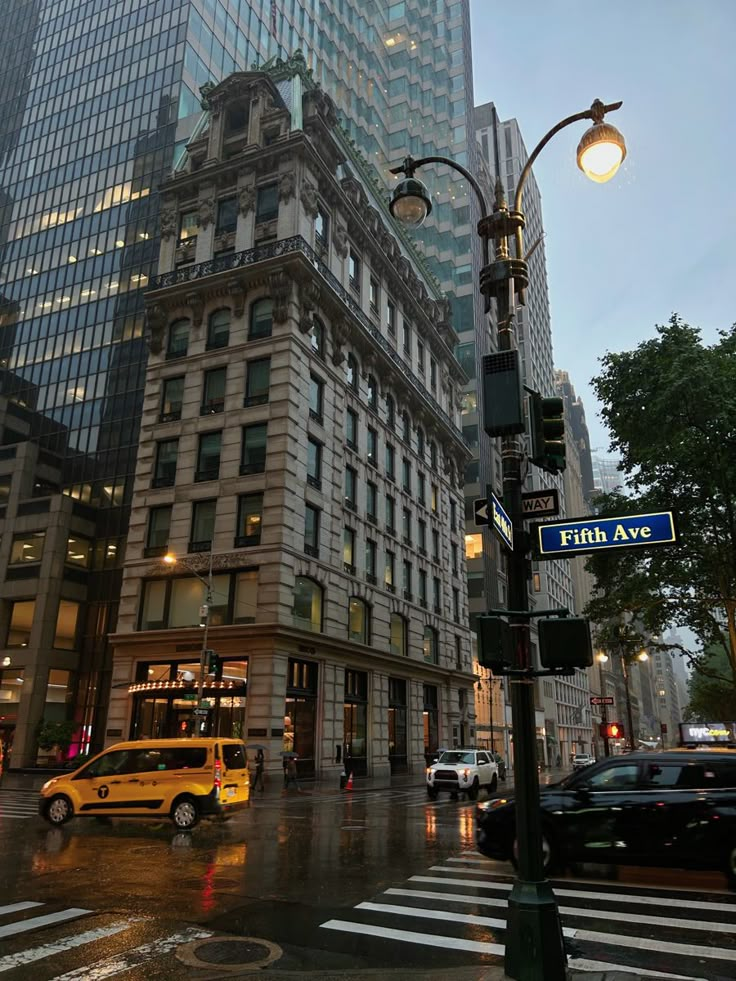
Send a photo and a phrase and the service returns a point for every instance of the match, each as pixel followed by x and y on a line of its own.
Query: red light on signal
pixel 612 730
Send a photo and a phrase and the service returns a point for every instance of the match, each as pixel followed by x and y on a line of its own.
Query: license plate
pixel 231 791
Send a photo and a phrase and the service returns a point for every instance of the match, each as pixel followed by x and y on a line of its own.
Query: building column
pixel 264 707
pixel 380 765
pixel 330 725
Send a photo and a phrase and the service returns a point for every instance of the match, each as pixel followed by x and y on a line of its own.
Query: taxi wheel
pixel 184 813
pixel 59 810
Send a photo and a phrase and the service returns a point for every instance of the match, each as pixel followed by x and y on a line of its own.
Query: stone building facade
pixel 300 455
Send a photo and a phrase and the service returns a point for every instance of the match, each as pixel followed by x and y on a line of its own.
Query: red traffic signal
pixel 611 730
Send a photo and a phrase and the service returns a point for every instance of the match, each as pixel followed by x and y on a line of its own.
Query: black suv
pixel 675 809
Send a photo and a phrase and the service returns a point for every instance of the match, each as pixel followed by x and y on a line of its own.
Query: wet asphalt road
pixel 374 879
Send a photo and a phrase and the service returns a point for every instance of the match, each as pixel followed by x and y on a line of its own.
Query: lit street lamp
pixel 171 559
pixel 534 947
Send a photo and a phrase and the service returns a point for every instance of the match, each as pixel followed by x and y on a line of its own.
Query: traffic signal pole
pixel 534 945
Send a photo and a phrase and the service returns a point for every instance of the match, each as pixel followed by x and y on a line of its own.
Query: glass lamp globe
pixel 410 202
pixel 601 152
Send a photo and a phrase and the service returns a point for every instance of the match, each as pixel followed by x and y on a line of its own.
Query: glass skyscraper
pixel 97 101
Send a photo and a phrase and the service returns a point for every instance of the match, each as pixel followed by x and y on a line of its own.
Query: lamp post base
pixel 535 949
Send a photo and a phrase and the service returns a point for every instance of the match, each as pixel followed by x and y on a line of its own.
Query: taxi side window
pixel 614 778
pixel 107 765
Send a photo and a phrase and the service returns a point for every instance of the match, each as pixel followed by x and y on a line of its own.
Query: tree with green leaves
pixel 711 691
pixel 670 405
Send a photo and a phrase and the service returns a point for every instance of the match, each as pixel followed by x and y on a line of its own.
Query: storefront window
pixel 11 685
pixel 59 695
pixel 355 721
pixel 300 712
pixel 431 720
pixel 21 620
pixel 246 597
pixel 397 725
pixel 65 638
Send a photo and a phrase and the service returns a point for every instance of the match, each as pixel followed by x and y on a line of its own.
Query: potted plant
pixel 56 735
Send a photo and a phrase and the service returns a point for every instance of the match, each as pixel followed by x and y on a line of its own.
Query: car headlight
pixel 48 785
pixel 466 775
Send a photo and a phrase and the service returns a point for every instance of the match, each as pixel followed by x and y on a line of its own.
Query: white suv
pixel 462 771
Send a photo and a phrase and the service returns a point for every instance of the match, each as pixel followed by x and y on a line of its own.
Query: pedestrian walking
pixel 258 775
pixel 290 773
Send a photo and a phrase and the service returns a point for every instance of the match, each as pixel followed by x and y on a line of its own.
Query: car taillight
pixel 218 777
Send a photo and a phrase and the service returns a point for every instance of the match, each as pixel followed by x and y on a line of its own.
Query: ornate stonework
pixel 287 186
pixel 309 199
pixel 155 327
pixel 168 221
pixel 237 292
pixel 196 305
pixel 340 240
pixel 246 200
pixel 309 295
pixel 340 334
pixel 206 211
pixel 280 287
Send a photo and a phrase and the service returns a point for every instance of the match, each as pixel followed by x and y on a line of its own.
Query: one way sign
pixel 541 504
pixel 480 509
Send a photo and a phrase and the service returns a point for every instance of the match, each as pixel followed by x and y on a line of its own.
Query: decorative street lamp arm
pixel 596 112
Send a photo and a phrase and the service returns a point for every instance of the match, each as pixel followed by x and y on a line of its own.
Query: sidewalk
pixel 452 974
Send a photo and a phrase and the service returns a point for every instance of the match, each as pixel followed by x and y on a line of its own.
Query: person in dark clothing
pixel 258 775
pixel 290 773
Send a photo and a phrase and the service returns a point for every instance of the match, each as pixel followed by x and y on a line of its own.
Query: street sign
pixel 597 700
pixel 205 703
pixel 201 711
pixel 189 696
pixel 502 523
pixel 555 538
pixel 480 510
pixel 540 504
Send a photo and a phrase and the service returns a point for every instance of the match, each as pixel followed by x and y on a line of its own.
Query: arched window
pixel 398 635
pixel 218 328
pixel 307 604
pixel 433 454
pixel 372 393
pixel 420 441
pixel 178 339
pixel 352 372
pixel 317 338
pixel 405 427
pixel 430 645
pixel 390 411
pixel 261 318
pixel 359 621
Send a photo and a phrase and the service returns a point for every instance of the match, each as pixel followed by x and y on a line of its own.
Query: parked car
pixel 581 760
pixel 183 779
pixel 674 808
pixel 462 771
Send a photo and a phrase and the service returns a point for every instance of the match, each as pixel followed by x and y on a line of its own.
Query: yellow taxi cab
pixel 183 779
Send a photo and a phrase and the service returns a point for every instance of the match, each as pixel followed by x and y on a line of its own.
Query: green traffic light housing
pixel 547 425
pixel 213 662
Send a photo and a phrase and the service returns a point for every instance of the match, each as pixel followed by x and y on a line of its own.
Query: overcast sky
pixel 660 236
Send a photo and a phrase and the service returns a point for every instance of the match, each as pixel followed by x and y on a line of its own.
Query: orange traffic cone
pixel 349 784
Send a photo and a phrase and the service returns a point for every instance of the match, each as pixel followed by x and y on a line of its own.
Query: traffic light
pixel 495 645
pixel 611 730
pixel 564 642
pixel 213 662
pixel 503 402
pixel 547 425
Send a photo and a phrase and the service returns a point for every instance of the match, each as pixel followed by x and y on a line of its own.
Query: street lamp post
pixel 534 945
pixel 171 559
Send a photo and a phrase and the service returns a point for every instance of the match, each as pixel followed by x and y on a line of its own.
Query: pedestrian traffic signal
pixel 213 662
pixel 564 642
pixel 495 644
pixel 611 730
pixel 547 425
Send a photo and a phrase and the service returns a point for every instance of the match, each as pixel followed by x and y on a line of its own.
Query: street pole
pixel 604 712
pixel 534 944
pixel 629 713
pixel 203 654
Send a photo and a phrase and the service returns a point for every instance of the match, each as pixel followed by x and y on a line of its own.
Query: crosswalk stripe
pixel 11 961
pixel 611 897
pixel 17 908
pixel 643 943
pixel 132 958
pixel 23 926
pixel 708 926
pixel 583 964
pixel 429 940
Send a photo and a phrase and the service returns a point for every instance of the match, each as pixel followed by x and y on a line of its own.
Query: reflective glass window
pixel 218 329
pixel 21 621
pixel 250 517
pixel 253 454
pixel 261 319
pixel 27 547
pixel 208 456
pixel 257 381
pixel 307 604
